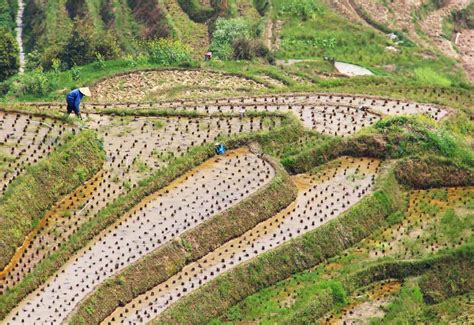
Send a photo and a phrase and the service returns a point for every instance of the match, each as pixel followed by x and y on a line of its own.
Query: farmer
pixel 74 98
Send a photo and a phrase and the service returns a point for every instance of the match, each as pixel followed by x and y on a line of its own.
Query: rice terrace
pixel 236 162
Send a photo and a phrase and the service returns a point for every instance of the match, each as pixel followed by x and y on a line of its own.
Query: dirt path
pixel 432 25
pixel 190 200
pixel 321 198
pixel 19 34
pixel 131 157
pixel 268 37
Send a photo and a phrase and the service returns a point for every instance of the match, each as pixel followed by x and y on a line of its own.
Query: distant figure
pixel 208 56
pixel 74 98
pixel 220 149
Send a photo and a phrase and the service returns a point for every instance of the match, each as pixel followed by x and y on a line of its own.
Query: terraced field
pixel 365 291
pixel 160 190
pixel 328 114
pixel 237 162
pixel 131 157
pixel 153 85
pixel 320 199
pixel 155 221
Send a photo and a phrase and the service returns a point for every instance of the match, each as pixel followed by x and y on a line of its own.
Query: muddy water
pixel 136 147
pixel 321 198
pixel 221 183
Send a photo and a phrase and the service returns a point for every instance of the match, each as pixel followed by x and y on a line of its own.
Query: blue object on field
pixel 220 149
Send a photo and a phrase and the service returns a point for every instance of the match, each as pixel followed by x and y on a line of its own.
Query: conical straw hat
pixel 85 91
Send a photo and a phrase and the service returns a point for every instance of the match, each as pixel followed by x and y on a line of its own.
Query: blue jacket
pixel 74 98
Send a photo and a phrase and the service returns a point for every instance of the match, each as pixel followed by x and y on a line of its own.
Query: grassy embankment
pixel 34 192
pixel 438 151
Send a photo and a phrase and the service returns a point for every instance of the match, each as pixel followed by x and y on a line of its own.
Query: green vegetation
pixel 227 31
pixel 409 306
pixel 303 297
pixel 9 62
pixel 196 11
pixel 398 137
pixel 34 192
pixel 8 9
pixel 165 53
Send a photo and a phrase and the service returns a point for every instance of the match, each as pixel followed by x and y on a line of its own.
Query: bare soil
pixel 153 85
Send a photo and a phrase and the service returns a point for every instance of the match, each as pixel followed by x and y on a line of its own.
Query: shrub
pixel 465 17
pixel 75 73
pixel 304 9
pixel 168 52
pixel 227 31
pixel 100 63
pixel 196 11
pixel 33 60
pixel 9 63
pixel 261 6
pixel 246 49
pixel 243 49
pixel 35 83
pixel 84 44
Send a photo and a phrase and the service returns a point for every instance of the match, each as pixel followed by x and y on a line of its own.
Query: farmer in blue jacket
pixel 74 98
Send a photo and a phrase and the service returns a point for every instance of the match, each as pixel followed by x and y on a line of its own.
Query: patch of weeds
pixel 187 245
pixel 395 218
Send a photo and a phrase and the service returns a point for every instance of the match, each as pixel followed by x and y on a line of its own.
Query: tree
pixel 9 61
pixel 85 43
